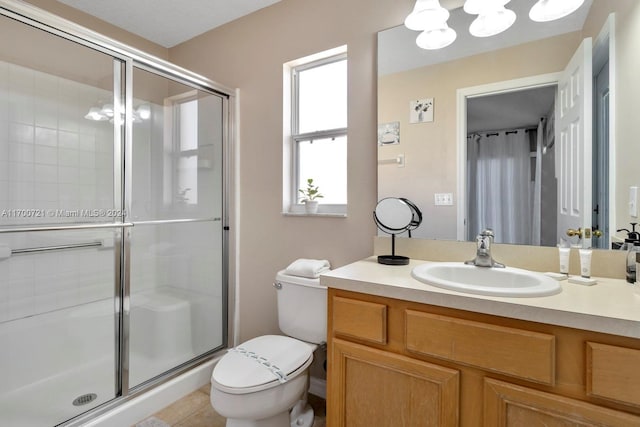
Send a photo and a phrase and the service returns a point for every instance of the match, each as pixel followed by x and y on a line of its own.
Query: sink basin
pixel 504 282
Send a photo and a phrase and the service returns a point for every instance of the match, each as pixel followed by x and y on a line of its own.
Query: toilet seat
pixel 261 363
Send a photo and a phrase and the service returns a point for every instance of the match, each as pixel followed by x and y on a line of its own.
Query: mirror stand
pixel 394 216
pixel 393 259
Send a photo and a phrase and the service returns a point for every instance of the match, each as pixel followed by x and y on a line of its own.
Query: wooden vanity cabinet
pixel 395 363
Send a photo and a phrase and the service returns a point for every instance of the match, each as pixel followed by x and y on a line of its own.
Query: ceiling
pixel 168 22
pixel 511 110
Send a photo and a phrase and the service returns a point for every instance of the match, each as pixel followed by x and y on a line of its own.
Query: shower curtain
pixel 499 188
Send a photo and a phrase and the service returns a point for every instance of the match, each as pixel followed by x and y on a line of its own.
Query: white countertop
pixel 611 306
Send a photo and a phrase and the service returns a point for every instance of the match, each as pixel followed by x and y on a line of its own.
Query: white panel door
pixel 573 142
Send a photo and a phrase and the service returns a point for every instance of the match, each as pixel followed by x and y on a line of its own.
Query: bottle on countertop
pixel 632 246
pixel 631 261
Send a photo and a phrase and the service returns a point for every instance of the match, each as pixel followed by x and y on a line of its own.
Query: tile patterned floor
pixel 194 410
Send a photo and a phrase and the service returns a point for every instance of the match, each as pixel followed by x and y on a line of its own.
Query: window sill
pixel 319 214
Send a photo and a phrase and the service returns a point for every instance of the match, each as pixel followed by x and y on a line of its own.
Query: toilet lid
pixel 261 360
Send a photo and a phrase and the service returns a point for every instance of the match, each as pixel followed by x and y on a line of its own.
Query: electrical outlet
pixel 443 199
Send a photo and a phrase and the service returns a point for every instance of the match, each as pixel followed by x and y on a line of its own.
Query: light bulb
pixel 436 38
pixel 425 13
pixel 95 114
pixel 549 10
pixel 492 23
pixel 480 7
pixel 144 111
pixel 107 110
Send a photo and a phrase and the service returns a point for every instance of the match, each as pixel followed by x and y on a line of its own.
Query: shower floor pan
pixel 49 400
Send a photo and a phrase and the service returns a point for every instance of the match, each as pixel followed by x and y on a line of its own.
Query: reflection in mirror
pixel 510 148
pixel 589 186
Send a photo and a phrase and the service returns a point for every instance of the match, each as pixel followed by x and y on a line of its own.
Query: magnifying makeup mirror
pixel 395 215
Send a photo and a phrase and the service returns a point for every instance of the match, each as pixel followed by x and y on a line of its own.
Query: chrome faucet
pixel 483 255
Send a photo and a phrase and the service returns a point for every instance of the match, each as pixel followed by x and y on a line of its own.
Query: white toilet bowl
pixel 264 381
pixel 259 382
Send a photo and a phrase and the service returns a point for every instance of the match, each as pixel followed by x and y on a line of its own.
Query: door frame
pixel 462 94
pixel 604 48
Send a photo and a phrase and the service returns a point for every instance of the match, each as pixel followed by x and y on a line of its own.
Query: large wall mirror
pixel 473 133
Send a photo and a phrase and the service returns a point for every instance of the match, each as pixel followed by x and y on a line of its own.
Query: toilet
pixel 263 382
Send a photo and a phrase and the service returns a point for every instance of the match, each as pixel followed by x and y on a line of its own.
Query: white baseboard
pixel 318 387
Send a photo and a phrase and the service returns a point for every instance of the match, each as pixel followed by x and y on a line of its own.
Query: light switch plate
pixel 443 199
pixel 633 202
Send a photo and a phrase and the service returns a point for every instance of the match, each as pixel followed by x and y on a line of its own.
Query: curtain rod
pixel 497 132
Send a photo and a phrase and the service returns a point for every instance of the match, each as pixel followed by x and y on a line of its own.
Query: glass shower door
pixel 59 232
pixel 177 281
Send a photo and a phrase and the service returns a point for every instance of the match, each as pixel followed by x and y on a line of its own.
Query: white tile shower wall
pixel 51 157
pixel 36 283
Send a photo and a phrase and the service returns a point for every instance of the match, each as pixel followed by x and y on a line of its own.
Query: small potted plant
pixel 309 196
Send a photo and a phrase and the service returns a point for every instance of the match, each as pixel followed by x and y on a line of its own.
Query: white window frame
pixel 173 151
pixel 292 204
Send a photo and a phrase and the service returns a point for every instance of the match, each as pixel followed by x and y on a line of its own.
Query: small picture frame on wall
pixel 389 133
pixel 421 110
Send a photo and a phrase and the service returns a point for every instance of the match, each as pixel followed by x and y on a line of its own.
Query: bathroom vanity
pixel 404 353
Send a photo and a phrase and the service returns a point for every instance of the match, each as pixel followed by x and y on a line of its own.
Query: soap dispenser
pixel 632 236
pixel 631 261
pixel 632 246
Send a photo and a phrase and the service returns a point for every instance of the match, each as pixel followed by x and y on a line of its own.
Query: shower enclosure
pixel 113 242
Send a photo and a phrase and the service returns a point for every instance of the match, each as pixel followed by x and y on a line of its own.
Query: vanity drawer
pixel 613 373
pixel 515 352
pixel 360 319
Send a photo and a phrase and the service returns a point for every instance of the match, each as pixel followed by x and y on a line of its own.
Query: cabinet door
pixel 370 387
pixel 511 405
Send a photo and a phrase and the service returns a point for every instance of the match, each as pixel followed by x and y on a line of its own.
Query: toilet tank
pixel 302 308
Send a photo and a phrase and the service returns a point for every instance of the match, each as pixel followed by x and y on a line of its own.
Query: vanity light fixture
pixel 100 114
pixel 95 114
pixel 549 10
pixel 493 18
pixel 430 18
pixel 144 111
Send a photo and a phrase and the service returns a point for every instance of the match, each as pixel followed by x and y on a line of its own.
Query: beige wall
pixel 101 27
pixel 249 54
pixel 430 149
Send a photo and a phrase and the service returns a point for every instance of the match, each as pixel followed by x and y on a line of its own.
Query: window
pixel 187 152
pixel 318 140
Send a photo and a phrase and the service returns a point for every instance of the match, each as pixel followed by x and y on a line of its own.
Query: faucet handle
pixel 487 233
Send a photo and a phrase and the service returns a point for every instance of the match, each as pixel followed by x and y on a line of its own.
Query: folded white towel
pixel 311 268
